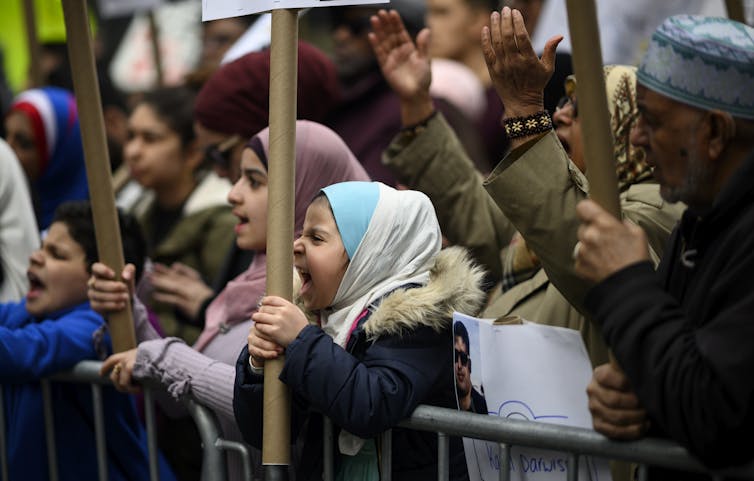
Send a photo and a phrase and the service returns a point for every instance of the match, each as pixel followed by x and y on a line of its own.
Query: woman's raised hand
pixel 405 66
pixel 518 74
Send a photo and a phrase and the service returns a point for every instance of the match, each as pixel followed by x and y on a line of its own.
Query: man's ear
pixel 469 364
pixel 722 131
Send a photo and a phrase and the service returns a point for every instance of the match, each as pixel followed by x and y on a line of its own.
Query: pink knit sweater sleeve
pixel 142 326
pixel 182 371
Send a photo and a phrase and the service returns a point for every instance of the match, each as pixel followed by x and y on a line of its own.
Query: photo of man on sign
pixel 469 398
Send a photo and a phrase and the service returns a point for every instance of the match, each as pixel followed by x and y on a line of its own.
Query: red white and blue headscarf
pixel 55 123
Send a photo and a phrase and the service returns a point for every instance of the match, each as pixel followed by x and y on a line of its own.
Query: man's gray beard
pixel 691 189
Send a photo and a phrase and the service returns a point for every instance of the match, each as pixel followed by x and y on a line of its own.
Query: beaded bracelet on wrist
pixel 410 132
pixel 537 123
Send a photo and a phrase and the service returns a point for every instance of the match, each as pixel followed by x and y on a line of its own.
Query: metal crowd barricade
pixel 214 467
pixel 213 462
pixel 88 372
pixel 507 433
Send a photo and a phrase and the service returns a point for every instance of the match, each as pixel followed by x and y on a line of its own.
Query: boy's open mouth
pixel 35 284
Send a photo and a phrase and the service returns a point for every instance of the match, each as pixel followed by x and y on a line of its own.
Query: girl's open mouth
pixel 242 221
pixel 306 281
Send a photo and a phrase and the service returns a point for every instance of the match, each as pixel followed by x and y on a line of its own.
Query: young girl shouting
pixel 373 277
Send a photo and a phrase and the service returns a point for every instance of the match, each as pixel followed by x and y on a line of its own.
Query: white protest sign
pixel 254 39
pixel 116 8
pixel 215 9
pixel 537 373
pixel 132 68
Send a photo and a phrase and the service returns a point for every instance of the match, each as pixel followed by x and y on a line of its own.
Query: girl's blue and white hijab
pixel 391 238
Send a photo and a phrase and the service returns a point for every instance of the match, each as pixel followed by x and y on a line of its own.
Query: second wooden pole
pixel 280 215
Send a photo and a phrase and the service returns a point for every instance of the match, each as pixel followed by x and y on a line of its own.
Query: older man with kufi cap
pixel 683 335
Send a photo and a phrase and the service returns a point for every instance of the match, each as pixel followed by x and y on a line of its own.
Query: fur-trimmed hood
pixel 454 285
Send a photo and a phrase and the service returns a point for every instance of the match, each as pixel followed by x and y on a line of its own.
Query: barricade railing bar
pixel 575 441
pixel 507 433
pixel 3 445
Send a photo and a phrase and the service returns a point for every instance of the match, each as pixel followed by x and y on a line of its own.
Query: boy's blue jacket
pixel 402 356
pixel 30 349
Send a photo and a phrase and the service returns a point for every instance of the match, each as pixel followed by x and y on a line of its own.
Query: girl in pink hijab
pixel 322 158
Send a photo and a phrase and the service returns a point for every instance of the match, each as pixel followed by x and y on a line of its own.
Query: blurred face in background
pixel 153 152
pixel 352 53
pixel 568 130
pixel 21 139
pixel 221 151
pixel 217 37
pixel 456 28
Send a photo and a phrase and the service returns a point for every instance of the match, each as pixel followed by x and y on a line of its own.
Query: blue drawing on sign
pixel 520 410
pixel 514 409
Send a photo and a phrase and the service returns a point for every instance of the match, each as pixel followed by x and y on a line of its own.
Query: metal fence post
pixel 243 451
pixel 443 457
pixel 213 460
pixel 99 432
pixel 642 473
pixel 52 454
pixel 327 449
pixel 386 459
pixel 154 468
pixel 573 467
pixel 505 462
pixel 3 446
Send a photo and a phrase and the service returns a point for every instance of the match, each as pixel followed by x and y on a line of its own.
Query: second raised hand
pixel 405 65
pixel 518 74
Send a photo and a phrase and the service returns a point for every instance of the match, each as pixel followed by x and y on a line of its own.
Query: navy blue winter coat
pixel 391 364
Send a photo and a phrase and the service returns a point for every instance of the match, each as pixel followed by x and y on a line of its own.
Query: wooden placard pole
pixel 599 149
pixel 154 41
pixel 280 214
pixel 735 10
pixel 35 72
pixel 592 99
pixel 106 227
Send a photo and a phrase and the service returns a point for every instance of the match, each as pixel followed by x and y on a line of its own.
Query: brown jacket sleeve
pixel 434 162
pixel 538 187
